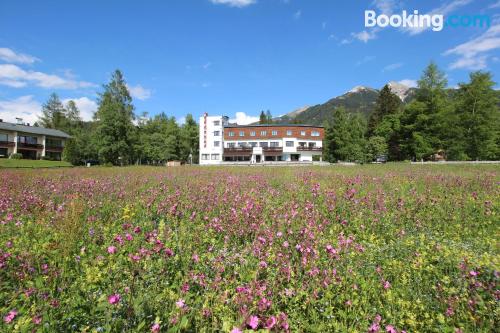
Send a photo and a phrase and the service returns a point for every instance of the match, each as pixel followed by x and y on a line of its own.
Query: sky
pixel 226 57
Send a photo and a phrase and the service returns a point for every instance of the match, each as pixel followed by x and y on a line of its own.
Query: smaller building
pixel 31 142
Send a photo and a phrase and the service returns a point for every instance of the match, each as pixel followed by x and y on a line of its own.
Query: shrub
pixel 16 156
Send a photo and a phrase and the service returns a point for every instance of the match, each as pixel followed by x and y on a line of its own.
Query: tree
pixel 262 118
pixel 387 104
pixel 423 121
pixel 115 130
pixel 376 146
pixel 189 141
pixel 344 137
pixel 53 113
pixel 269 117
pixel 475 123
pixel 72 112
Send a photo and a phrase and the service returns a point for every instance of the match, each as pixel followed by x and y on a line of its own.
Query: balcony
pixel 306 148
pixel 54 148
pixel 272 151
pixel 6 144
pixel 21 145
pixel 238 151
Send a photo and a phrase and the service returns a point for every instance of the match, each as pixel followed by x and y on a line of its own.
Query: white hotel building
pixel 222 142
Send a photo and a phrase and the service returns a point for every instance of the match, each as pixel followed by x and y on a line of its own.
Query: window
pixel 289 132
pixel 253 144
pixel 303 133
pixel 53 142
pixel 302 144
pixel 252 133
pixel 289 143
pixel 263 144
pixel 274 133
pixel 231 145
pixel 217 123
pixel 275 144
pixel 204 157
pixel 263 133
pixel 314 133
pixel 216 133
pixel 27 139
pixel 242 144
pixel 215 156
pixel 4 137
pixel 216 143
pixel 242 133
pixel 231 133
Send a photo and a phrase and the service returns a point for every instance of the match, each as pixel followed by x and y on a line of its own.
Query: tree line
pixel 455 124
pixel 116 135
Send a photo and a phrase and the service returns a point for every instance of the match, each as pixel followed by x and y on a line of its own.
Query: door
pixel 257 158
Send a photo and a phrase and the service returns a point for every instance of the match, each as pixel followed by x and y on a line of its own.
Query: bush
pixel 16 156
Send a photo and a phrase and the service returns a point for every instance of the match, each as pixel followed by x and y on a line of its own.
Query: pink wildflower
pixel 10 316
pixel 270 322
pixel 111 249
pixel 180 303
pixel 390 329
pixel 236 330
pixel 473 273
pixel 253 322
pixel 114 299
pixel 155 328
pixel 387 284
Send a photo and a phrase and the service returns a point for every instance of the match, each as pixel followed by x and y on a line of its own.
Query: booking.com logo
pixel 423 21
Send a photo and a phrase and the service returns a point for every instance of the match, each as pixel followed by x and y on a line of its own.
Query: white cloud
pixel 444 10
pixel 323 25
pixel 181 121
pixel 364 35
pixel 24 107
pixel 14 76
pixel 385 6
pixel 495 5
pixel 409 83
pixel 139 92
pixel 473 54
pixel 9 55
pixel 241 118
pixel 392 67
pixel 297 15
pixel 86 106
pixel 234 3
pixel 207 65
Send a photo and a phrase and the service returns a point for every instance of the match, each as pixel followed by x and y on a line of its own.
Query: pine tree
pixel 387 104
pixel 72 112
pixel 269 117
pixel 477 119
pixel 115 130
pixel 189 144
pixel 344 137
pixel 53 113
pixel 262 118
pixel 423 121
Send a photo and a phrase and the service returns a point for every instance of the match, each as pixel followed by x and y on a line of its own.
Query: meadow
pixel 382 248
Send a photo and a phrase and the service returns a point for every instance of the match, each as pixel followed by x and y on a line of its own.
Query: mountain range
pixel 360 99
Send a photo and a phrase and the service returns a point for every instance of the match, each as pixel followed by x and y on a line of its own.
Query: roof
pixel 271 125
pixel 33 130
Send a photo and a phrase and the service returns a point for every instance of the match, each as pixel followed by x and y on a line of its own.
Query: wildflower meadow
pixel 387 248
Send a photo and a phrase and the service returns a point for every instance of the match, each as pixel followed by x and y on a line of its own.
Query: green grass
pixel 11 163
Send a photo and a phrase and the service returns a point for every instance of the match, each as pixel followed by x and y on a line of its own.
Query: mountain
pixel 360 99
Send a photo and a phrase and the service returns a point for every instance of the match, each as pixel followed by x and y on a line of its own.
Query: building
pixel 221 142
pixel 30 141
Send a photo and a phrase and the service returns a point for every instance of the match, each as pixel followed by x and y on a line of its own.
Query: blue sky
pixel 232 57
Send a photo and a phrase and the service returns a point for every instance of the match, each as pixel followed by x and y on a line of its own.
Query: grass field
pixel 380 248
pixel 13 163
